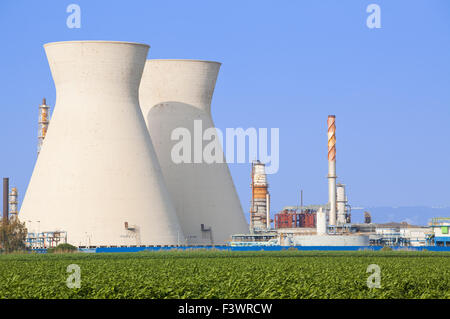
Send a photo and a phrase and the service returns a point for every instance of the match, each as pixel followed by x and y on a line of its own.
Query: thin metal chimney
pixel 268 211
pixel 5 199
pixel 332 168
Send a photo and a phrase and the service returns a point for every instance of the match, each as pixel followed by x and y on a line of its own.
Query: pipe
pixel 332 168
pixel 253 199
pixel 301 201
pixel 5 199
pixel 268 211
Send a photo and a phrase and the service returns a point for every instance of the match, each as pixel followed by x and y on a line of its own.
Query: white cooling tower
pixel 97 176
pixel 174 94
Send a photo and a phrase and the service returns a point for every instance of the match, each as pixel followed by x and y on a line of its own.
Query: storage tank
pixel 321 223
pixel 176 94
pixel 341 200
pixel 97 171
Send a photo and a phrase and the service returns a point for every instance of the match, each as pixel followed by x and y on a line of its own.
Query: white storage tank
pixel 331 240
pixel 321 222
pixel 341 201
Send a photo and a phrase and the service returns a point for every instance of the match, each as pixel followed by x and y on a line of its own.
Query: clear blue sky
pixel 286 64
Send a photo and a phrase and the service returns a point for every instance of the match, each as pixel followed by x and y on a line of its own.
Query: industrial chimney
pixel 13 202
pixel 44 120
pixel 5 200
pixel 260 205
pixel 176 94
pixel 97 167
pixel 332 168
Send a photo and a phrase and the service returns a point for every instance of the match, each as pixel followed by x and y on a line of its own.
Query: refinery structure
pixel 317 225
pixel 106 177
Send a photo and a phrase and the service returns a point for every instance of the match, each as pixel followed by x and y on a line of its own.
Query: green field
pixel 215 274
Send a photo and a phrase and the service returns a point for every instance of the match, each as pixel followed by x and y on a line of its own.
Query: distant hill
pixel 414 215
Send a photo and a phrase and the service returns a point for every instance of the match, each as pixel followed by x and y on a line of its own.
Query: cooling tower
pixel 97 175
pixel 177 94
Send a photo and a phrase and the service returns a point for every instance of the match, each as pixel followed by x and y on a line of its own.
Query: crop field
pixel 219 274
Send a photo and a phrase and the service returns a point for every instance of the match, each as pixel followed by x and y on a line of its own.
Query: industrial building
pixel 316 225
pixel 106 176
pixel 329 225
pixel 441 234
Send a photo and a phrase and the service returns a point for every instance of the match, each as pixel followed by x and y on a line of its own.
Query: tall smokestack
pixel 332 168
pixel 5 199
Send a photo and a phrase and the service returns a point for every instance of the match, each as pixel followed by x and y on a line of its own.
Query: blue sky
pixel 287 65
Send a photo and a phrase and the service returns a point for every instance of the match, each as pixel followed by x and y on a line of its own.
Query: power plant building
pixel 131 158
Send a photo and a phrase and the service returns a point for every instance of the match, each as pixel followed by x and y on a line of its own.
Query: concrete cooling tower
pixel 177 94
pixel 97 176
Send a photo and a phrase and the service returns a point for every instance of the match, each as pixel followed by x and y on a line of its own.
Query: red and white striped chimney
pixel 332 168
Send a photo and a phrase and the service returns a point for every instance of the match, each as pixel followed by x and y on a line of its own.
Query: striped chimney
pixel 332 168
pixel 331 138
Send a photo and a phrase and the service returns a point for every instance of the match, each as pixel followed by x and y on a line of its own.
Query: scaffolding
pixel 44 120
pixel 292 218
pixel 13 202
pixel 44 240
pixel 260 203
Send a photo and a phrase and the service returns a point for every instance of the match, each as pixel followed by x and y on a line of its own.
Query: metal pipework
pixel 5 199
pixel 332 168
pixel 268 211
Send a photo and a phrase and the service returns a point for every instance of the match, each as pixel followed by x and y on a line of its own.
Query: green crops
pixel 216 274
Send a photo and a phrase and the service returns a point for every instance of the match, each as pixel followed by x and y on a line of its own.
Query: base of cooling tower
pixel 248 248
